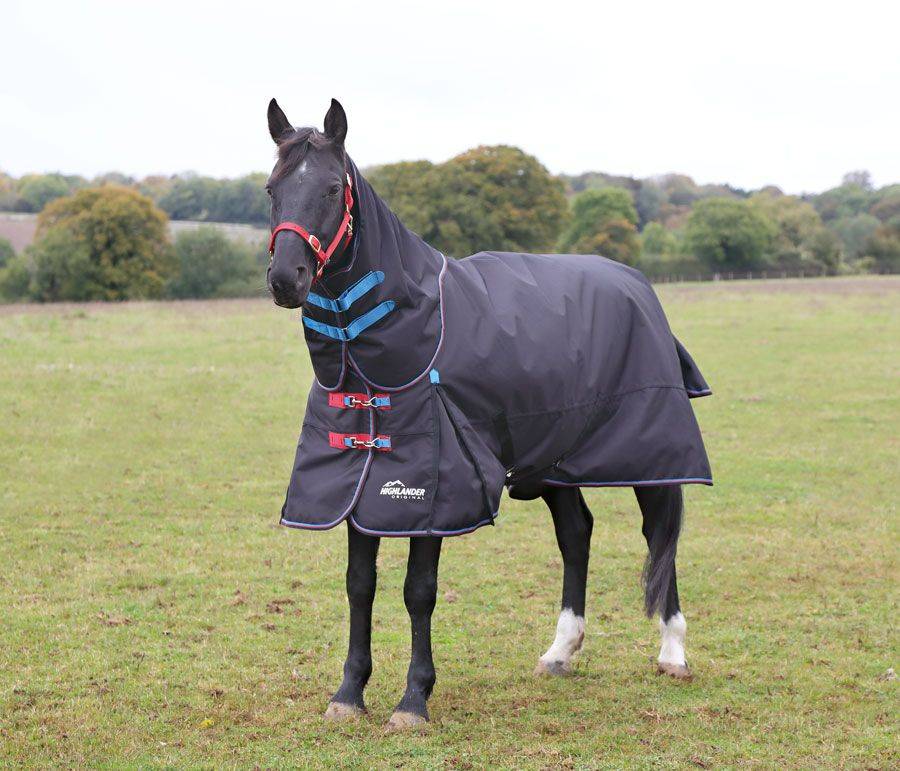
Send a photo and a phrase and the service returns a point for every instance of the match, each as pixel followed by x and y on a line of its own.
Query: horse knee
pixel 360 587
pixel 420 594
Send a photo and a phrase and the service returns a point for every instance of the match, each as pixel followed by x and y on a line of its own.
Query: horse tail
pixel 663 510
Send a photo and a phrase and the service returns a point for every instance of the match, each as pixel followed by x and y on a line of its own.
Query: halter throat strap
pixel 342 237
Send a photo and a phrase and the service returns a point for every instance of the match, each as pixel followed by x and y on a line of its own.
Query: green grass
pixel 154 613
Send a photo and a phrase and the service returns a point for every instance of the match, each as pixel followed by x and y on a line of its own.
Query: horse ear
pixel 279 125
pixel 336 123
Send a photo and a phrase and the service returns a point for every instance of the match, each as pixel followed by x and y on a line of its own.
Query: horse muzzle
pixel 289 286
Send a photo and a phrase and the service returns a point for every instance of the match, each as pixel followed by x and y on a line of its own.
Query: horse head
pixel 310 189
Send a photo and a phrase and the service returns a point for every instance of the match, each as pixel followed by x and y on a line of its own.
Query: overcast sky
pixel 785 93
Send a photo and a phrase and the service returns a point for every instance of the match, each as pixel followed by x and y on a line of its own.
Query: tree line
pixel 186 196
pixel 112 243
pixel 106 239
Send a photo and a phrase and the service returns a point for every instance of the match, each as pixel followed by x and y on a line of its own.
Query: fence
pixel 742 275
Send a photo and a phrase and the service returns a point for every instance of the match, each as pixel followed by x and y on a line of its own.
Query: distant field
pixel 155 615
pixel 19 229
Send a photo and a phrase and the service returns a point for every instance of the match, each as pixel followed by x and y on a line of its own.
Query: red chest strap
pixel 348 401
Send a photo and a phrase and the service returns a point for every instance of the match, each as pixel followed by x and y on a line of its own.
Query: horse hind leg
pixel 663 510
pixel 573 524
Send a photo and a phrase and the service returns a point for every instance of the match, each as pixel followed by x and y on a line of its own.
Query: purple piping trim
pixel 637 483
pixel 696 394
pixel 437 350
pixel 356 493
pixel 411 533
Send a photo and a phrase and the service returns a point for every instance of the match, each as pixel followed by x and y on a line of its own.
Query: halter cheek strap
pixel 342 237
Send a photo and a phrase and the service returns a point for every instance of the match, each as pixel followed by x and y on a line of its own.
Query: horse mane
pixel 292 150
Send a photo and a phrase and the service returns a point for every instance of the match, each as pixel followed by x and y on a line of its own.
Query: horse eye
pixel 269 192
pixel 334 190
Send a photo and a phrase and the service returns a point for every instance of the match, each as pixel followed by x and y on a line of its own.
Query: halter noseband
pixel 343 235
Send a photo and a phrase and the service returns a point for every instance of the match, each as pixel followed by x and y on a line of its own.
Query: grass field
pixel 154 614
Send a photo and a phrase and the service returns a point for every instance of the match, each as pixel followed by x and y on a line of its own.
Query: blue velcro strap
pixel 356 327
pixel 348 296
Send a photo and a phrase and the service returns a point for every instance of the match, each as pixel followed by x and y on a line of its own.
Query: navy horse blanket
pixel 438 381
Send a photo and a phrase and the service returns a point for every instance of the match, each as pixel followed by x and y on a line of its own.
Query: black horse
pixel 449 379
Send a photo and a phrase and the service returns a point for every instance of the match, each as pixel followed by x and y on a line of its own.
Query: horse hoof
pixel 678 671
pixel 554 668
pixel 405 721
pixel 337 712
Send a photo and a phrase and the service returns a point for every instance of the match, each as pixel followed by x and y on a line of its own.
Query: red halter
pixel 343 235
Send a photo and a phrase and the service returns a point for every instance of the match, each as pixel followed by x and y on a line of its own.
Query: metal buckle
pixel 317 246
pixel 352 401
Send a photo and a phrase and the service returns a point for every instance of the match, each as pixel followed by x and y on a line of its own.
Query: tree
pixel 887 204
pixel 8 195
pixel 6 252
pixel 241 200
pixel 35 191
pixel 15 279
pixel 680 189
pixel 860 178
pixel 728 234
pixel 848 200
pixel 190 198
pixel 603 222
pixel 855 232
pixel 407 188
pixel 511 200
pixel 883 248
pixel 104 243
pixel 594 180
pixel 487 198
pixel 648 201
pixel 156 186
pixel 801 239
pixel 657 241
pixel 114 178
pixel 211 265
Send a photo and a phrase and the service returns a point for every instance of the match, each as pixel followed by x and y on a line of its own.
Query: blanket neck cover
pixel 438 381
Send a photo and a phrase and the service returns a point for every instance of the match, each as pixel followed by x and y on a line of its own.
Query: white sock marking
pixel 569 637
pixel 673 633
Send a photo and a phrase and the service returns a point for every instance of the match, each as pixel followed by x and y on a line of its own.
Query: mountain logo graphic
pixel 396 490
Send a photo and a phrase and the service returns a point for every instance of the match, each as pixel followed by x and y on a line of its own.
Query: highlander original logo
pixel 400 492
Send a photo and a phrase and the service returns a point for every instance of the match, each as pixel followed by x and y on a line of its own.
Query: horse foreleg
pixel 361 576
pixel 573 523
pixel 420 594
